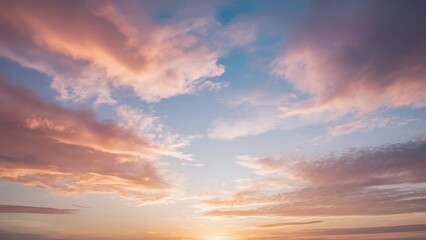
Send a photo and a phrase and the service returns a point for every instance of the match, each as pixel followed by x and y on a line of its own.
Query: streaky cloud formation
pixel 36 210
pixel 10 235
pixel 275 225
pixel 22 236
pixel 69 151
pixel 398 232
pixel 369 181
pixel 90 49
pixel 372 230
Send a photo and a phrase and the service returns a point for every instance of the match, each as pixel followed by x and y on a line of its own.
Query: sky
pixel 212 120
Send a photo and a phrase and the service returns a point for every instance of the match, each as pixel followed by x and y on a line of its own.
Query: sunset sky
pixel 212 120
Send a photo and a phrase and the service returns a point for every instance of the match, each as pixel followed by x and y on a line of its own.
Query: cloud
pixel 344 59
pixel 150 126
pixel 369 181
pixel 358 125
pixel 399 232
pixel 370 230
pixel 9 235
pixel 31 209
pixel 91 49
pixel 69 151
pixel 21 236
pixel 274 225
pixel 261 166
pixel 240 199
pixel 261 103
pixel 371 57
pixel 388 164
pixel 79 206
pixel 223 129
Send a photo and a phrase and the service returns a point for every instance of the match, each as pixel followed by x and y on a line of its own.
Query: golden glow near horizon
pixel 218 237
pixel 212 120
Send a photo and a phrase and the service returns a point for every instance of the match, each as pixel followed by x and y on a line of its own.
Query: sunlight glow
pixel 218 237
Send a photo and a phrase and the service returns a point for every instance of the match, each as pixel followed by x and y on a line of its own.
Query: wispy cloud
pixel 224 129
pixel 365 124
pixel 341 61
pixel 69 151
pixel 32 209
pixel 370 230
pixel 91 49
pixel 399 232
pixel 79 206
pixel 276 225
pixel 339 67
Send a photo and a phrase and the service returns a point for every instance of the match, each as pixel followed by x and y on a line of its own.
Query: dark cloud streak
pixel 274 225
pixel 35 210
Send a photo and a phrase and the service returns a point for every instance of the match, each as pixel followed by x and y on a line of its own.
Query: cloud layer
pixel 372 181
pixel 69 151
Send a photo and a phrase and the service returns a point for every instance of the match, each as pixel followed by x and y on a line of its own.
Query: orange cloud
pixel 69 151
pixel 90 49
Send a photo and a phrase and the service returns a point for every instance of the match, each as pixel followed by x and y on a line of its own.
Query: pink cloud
pixel 69 151
pixel 345 60
pixel 90 49
pixel 354 65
